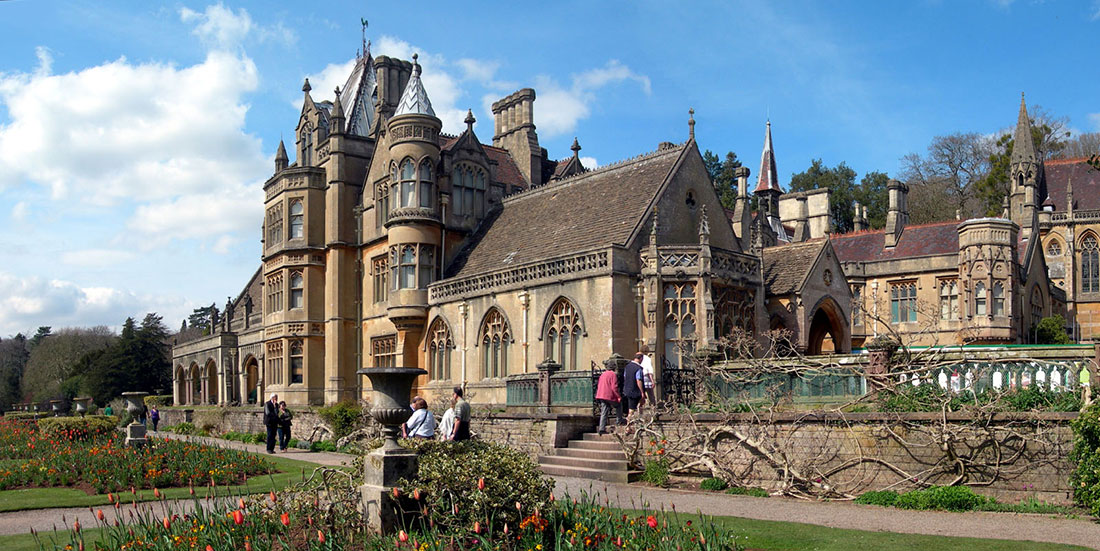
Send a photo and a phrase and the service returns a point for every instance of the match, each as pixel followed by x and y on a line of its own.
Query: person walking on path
pixel 154 416
pixel 462 417
pixel 633 386
pixel 649 376
pixel 607 393
pixel 422 422
pixel 285 416
pixel 271 421
pixel 446 424
pixel 144 414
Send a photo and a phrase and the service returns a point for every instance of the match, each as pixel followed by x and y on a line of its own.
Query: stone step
pixel 594 474
pixel 606 455
pixel 583 462
pixel 595 445
pixel 597 437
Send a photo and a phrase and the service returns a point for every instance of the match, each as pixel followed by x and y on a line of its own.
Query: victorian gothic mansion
pixel 389 243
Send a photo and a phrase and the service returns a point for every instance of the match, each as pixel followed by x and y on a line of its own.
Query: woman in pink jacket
pixel 607 394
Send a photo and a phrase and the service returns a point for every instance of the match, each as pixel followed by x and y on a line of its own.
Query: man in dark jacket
pixel 633 384
pixel 271 421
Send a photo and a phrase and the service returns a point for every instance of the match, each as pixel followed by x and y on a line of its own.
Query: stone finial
pixel 306 87
pixel 653 231
pixel 704 225
pixel 576 148
pixel 281 158
pixel 691 123
pixel 470 120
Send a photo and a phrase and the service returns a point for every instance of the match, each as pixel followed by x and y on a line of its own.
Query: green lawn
pixel 755 534
pixel 290 470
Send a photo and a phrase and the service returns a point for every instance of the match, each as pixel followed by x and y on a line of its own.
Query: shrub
pixel 76 428
pixel 159 401
pixel 258 438
pixel 322 446
pixel 21 415
pixel 1033 398
pixel 182 428
pixel 208 420
pixel 751 492
pixel 713 485
pixel 343 418
pixel 655 472
pixel 948 498
pixel 464 482
pixel 885 498
pixel 1085 457
pixel 1052 330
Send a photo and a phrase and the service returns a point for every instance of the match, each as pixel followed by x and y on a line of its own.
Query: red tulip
pixel 402 536
pixel 416 494
pixel 320 536
pixel 110 497
pixel 156 492
pixel 167 523
pixel 238 517
pixel 651 521
pixel 247 546
pixel 76 526
pixel 209 548
pixel 285 519
pixel 481 484
pixel 99 514
pixel 396 492
pixel 477 526
pixel 191 489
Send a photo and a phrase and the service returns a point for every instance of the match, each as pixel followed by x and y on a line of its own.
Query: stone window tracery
pixel 379 272
pixel 439 351
pixel 564 335
pixel 1054 249
pixel 405 263
pixel 297 362
pixel 733 308
pixel 1090 265
pixel 979 299
pixel 998 299
pixel 383 351
pixel 405 187
pixel 297 290
pixel 496 335
pixel 903 302
pixel 427 186
pixel 468 194
pixel 297 219
pixel 307 146
pixel 680 326
pixel 949 299
pixel 1036 306
pixel 857 305
pixel 275 225
pixel 274 357
pixel 274 286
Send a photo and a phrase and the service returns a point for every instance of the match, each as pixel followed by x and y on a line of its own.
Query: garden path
pixel 1007 526
pixel 332 459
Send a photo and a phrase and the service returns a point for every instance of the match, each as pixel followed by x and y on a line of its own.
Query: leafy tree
pixel 138 361
pixel 42 333
pixel 203 317
pixel 721 173
pixel 872 194
pixel 52 361
pixel 13 359
pixel 1052 330
pixel 840 181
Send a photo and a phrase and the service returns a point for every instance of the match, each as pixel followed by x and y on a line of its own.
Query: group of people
pixel 277 419
pixel 625 393
pixel 455 424
pixel 144 416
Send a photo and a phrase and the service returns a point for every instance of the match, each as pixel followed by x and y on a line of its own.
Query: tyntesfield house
pixel 389 243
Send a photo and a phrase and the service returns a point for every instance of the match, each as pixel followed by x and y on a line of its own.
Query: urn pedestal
pixel 80 405
pixel 57 407
pixel 383 467
pixel 135 431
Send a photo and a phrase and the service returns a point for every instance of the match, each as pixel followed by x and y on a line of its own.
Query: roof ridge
pixel 600 170
pixel 1066 161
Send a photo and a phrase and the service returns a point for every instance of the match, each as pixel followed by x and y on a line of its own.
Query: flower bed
pixel 101 463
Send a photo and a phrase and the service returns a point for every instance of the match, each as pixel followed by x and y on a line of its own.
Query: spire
pixel 414 101
pixel 576 148
pixel 281 160
pixel 769 180
pixel 691 123
pixel 1023 149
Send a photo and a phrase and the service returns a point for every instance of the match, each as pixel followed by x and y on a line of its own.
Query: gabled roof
pixel 358 96
pixel 584 212
pixel 507 171
pixel 1086 184
pixel 924 240
pixel 786 267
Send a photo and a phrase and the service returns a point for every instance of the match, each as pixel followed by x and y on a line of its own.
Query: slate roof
pixel 587 211
pixel 786 266
pixel 924 240
pixel 507 171
pixel 1086 184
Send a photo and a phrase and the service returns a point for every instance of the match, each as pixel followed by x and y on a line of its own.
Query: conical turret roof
pixel 414 101
pixel 769 178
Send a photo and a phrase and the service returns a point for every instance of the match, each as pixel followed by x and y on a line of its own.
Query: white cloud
pixel 219 27
pixel 198 215
pixel 19 211
pixel 589 163
pixel 1095 10
pixel 26 302
pixel 148 135
pixel 558 109
pixel 97 258
pixel 1094 118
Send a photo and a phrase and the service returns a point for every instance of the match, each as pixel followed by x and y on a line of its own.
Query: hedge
pixel 161 401
pixel 77 428
pixel 16 415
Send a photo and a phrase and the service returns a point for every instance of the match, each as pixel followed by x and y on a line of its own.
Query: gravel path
pixel 1007 526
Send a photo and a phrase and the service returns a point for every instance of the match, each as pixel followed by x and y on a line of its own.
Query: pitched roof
pixel 769 179
pixel 358 95
pixel 1086 184
pixel 786 266
pixel 507 170
pixel 587 211
pixel 924 240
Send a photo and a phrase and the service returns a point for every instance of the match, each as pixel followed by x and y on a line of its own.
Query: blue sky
pixel 135 137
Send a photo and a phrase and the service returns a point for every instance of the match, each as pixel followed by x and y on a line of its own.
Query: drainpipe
pixel 525 303
pixel 358 210
pixel 464 310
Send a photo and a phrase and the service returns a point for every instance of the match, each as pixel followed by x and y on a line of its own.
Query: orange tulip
pixel 167 523
pixel 238 517
pixel 285 519
pixel 396 492
pixel 481 484
pixel 76 526
pixel 209 548
pixel 240 502
pixel 320 536
pixel 156 493
pixel 110 497
pixel 477 526
pixel 274 499
pixel 416 494
pixel 99 514
pixel 247 546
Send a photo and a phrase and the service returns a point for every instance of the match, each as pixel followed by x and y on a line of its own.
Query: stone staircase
pixel 595 456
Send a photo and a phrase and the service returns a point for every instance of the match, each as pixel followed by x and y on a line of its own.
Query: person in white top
pixel 422 422
pixel 648 377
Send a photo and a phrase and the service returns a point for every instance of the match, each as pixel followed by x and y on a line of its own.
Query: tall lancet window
pixel 1090 265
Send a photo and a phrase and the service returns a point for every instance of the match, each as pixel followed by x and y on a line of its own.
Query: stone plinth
pixel 382 469
pixel 135 435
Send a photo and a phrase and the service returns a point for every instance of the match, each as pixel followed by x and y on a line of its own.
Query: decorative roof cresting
pixel 414 101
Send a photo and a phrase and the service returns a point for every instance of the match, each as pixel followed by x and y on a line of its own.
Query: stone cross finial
pixel 470 120
pixel 691 123
pixel 576 147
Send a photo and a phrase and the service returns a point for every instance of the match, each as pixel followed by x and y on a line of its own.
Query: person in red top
pixel 607 393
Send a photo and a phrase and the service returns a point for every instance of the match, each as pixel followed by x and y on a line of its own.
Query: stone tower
pixel 1026 174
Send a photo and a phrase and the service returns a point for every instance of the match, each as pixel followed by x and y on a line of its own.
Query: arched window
pixel 408 184
pixel 469 184
pixel 564 335
pixel 949 299
pixel 979 299
pixel 306 141
pixel 1054 248
pixel 408 260
pixel 297 362
pixel 1036 306
pixel 998 299
pixel 426 187
pixel 408 267
pixel 679 300
pixel 496 335
pixel 1090 265
pixel 296 290
pixel 427 266
pixel 297 219
pixel 903 302
pixel 440 345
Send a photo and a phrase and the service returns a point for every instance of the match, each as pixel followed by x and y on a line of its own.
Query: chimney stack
pixel 898 215
pixel 742 212
pixel 857 223
pixel 802 223
pixel 514 126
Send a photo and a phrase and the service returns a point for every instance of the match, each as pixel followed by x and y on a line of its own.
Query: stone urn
pixel 57 407
pixel 135 431
pixel 383 467
pixel 81 405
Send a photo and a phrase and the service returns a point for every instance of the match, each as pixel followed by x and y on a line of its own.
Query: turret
pixel 281 160
pixel 768 190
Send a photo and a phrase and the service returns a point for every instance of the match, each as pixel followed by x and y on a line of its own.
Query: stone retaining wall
pixel 236 419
